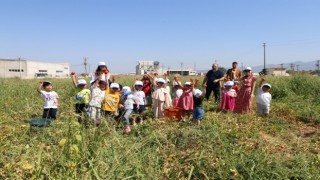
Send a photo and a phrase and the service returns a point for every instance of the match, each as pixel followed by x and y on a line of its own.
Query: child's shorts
pixel 140 110
pixel 263 109
pixel 198 113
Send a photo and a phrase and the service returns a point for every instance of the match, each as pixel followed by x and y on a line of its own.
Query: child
pixel 264 98
pixel 198 111
pixel 111 100
pixel 98 92
pixel 177 90
pixel 139 97
pixel 146 88
pixel 127 101
pixel 228 97
pixel 167 85
pixel 82 96
pixel 159 96
pixel 186 99
pixel 236 86
pixel 50 98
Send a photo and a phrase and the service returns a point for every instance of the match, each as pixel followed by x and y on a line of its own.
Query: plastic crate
pixel 173 113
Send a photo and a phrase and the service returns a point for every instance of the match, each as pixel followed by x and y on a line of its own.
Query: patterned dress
pixel 244 99
pixel 186 100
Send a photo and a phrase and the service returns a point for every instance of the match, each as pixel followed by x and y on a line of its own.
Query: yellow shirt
pixel 111 101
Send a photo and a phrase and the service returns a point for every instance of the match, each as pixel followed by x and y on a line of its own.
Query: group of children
pixel 109 99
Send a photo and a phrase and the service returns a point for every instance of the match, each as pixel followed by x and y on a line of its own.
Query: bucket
pixel 173 113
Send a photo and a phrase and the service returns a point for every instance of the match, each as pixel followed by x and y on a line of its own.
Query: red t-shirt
pixel 146 88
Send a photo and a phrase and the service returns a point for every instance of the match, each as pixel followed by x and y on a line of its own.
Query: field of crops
pixel 284 145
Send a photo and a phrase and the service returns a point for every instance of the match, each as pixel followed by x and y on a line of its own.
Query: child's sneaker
pixel 127 129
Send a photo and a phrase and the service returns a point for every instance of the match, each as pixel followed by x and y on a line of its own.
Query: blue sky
pixel 121 32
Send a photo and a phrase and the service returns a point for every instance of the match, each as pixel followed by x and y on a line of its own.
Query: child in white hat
pixel 111 100
pixel 177 90
pixel 82 96
pixel 140 99
pixel 97 96
pixel 159 96
pixel 198 111
pixel 186 99
pixel 228 97
pixel 126 102
pixel 264 97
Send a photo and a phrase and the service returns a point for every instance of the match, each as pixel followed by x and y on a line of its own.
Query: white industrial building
pixel 148 67
pixel 27 69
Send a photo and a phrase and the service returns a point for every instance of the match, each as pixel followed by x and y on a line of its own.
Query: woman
pixel 245 95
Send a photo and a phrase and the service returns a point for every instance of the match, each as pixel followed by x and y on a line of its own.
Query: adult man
pixel 233 73
pixel 212 80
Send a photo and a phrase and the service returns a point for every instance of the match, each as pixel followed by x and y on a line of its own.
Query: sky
pixel 195 32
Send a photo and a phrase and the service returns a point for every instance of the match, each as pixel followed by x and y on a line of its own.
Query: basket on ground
pixel 173 113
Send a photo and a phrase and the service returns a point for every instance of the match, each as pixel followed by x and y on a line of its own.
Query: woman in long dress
pixel 245 95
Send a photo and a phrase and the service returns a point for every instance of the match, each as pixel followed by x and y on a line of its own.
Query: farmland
pixel 284 145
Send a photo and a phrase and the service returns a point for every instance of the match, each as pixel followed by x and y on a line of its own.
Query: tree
pixel 223 69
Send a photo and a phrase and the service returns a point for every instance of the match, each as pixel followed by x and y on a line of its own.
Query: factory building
pixel 27 69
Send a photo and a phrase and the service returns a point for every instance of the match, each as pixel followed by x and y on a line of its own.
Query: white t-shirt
pixel 97 97
pixel 50 99
pixel 263 98
pixel 139 96
pixel 128 103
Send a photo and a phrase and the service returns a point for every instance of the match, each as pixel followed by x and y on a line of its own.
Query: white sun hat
pixel 101 63
pixel 161 80
pixel 248 69
pixel 114 85
pixel 187 83
pixel 82 82
pixel 138 83
pixel 126 89
pixel 197 92
pixel 229 83
pixel 267 84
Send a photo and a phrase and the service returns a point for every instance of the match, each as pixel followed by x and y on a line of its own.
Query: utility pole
pixel 85 64
pixel 264 55
pixel 242 66
pixel 292 66
pixel 298 67
pixel 181 65
pixel 318 65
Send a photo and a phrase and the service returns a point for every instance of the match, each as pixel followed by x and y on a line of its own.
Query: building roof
pixel 13 60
